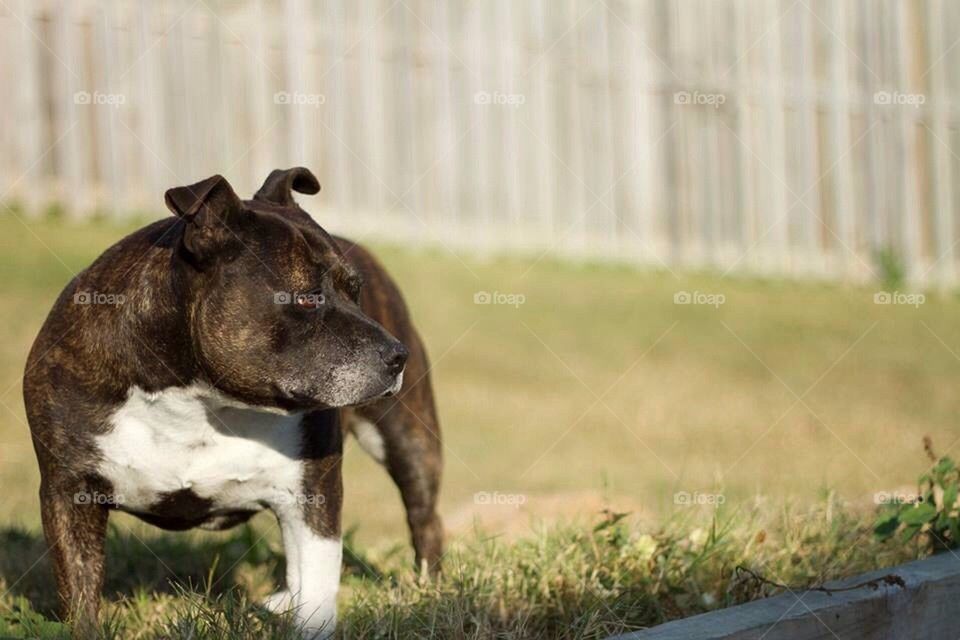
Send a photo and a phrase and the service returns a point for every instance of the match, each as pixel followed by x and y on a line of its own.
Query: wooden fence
pixel 794 137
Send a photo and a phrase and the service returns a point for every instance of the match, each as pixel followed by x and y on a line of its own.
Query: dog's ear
pixel 279 186
pixel 210 208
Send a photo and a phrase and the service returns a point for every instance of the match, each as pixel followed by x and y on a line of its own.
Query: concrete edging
pixel 928 607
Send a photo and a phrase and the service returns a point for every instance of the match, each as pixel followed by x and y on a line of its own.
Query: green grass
pixel 559 582
pixel 597 392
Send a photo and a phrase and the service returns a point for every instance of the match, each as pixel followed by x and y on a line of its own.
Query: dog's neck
pixel 145 341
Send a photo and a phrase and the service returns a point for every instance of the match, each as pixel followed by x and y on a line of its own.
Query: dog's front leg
pixel 310 524
pixel 75 527
pixel 313 576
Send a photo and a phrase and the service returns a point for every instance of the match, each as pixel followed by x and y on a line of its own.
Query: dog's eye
pixel 309 301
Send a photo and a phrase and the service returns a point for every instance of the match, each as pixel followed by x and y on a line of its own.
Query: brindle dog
pixel 206 367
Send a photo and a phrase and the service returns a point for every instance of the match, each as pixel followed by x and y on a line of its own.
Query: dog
pixel 207 367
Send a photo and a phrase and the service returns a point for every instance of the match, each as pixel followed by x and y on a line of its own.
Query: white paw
pixel 280 602
pixel 318 620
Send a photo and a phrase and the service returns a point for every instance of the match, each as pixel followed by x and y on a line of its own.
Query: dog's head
pixel 273 304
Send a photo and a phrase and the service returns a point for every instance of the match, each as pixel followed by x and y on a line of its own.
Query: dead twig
pixel 891 579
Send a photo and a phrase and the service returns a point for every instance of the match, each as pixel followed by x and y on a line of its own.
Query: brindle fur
pixel 87 356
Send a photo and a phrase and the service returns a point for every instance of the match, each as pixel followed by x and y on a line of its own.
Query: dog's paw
pixel 280 602
pixel 318 619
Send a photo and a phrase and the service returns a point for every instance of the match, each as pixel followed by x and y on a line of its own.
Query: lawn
pixel 790 404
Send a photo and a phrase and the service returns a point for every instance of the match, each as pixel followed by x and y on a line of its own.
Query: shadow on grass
pixel 137 563
pixel 160 562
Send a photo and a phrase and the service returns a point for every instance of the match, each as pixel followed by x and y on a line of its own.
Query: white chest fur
pixel 238 456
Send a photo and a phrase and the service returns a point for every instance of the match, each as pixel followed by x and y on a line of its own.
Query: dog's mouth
pixel 302 398
pixel 395 388
pixel 294 400
pixel 299 396
pixel 391 391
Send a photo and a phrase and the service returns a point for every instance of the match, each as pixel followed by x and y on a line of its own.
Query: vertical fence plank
pixel 370 28
pixel 715 208
pixel 727 146
pixel 261 97
pixel 25 73
pixel 109 172
pixel 911 202
pixel 226 149
pixel 871 220
pixel 781 206
pixel 67 115
pixel 541 125
pixel 294 44
pixel 602 141
pixel 339 103
pixel 890 162
pixel 176 156
pixel 448 126
pixel 473 74
pixel 744 132
pixel 841 151
pixel 153 102
pixel 649 128
pixel 511 162
pixel 620 64
pixel 573 150
pixel 808 189
pixel 944 260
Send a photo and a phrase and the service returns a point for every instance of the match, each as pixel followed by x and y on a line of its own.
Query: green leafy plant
pixel 23 622
pixel 932 514
pixel 893 272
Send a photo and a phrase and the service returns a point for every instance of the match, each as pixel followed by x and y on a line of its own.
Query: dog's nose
pixel 394 356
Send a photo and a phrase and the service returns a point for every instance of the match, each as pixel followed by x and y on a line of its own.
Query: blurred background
pixel 663 253
pixel 776 136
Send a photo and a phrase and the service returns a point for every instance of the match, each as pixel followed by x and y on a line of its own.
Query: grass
pixel 562 582
pixel 598 392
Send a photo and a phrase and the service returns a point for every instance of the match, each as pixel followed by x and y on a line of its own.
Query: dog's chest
pixel 190 439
